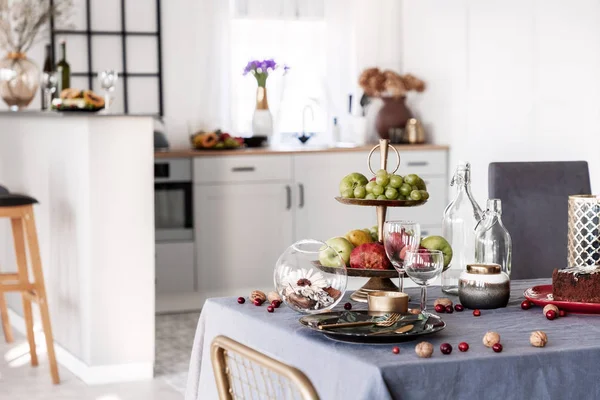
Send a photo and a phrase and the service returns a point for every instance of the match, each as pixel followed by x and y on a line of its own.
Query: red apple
pixel 369 256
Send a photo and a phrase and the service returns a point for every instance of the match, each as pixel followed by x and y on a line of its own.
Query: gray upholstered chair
pixel 534 210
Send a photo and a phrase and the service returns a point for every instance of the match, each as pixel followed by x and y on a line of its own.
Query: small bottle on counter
pixel 335 132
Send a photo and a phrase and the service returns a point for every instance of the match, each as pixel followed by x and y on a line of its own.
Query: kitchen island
pixel 93 177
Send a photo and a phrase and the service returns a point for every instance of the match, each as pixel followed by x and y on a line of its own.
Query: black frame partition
pixel 123 33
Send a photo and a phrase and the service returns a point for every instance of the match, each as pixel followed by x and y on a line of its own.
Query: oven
pixel 173 200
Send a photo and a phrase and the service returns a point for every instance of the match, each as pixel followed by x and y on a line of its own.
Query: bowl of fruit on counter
pixel 384 189
pixel 215 140
pixel 72 99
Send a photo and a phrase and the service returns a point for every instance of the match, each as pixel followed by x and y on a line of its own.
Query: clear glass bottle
pixel 492 241
pixel 458 227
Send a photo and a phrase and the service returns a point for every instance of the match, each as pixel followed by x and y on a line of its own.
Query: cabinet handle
pixel 301 191
pixel 424 233
pixel 242 169
pixel 417 163
pixel 288 192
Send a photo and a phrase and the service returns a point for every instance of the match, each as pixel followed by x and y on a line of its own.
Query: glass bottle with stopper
pixel 458 227
pixel 493 244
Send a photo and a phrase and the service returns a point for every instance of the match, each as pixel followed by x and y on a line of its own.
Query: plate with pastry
pixel 72 99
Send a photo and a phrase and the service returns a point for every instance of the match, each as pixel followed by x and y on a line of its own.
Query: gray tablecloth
pixel 567 368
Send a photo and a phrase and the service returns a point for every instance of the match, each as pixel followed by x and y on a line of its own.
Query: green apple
pixel 342 247
pixel 396 181
pixel 377 190
pixel 360 192
pixel 370 196
pixel 391 193
pixel 351 181
pixel 370 186
pixel 441 244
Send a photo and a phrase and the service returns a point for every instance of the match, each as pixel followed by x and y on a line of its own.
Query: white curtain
pixel 360 34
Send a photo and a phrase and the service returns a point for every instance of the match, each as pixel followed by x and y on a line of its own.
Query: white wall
pixel 509 80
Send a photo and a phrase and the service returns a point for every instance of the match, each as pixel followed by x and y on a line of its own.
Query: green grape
pixel 400 197
pixel 370 196
pixel 360 192
pixel 396 181
pixel 391 193
pixel 382 180
pixel 348 194
pixel 370 186
pixel 405 189
pixel 414 187
pixel 411 179
pixel 377 190
pixel 424 194
pixel 381 172
pixel 421 184
pixel 415 195
pixel 381 197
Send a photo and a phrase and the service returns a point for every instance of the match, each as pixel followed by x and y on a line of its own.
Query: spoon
pixel 402 329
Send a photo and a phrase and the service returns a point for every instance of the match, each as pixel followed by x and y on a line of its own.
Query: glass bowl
pixel 303 284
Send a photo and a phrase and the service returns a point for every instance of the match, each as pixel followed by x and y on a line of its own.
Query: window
pixel 296 42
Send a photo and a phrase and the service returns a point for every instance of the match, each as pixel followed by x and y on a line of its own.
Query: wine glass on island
pixel 398 238
pixel 423 267
pixel 49 84
pixel 108 79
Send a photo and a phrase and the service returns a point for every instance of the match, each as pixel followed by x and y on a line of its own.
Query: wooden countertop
pixel 269 151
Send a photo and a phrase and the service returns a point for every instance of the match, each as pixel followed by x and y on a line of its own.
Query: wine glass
pixel 398 238
pixel 49 84
pixel 108 79
pixel 423 266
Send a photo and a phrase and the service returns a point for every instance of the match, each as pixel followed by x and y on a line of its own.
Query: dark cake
pixel 583 287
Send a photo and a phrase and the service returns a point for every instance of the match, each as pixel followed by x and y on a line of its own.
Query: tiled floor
pixel 174 338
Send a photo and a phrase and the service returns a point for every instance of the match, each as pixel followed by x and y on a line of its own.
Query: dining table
pixel 568 367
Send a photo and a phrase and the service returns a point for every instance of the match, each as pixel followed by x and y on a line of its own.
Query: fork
pixel 389 321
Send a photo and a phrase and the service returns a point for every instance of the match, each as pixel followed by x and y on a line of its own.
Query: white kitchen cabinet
pixel 175 267
pixel 317 178
pixel 241 229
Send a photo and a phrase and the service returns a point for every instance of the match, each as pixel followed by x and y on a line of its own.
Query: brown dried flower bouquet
pixel 22 20
pixel 377 83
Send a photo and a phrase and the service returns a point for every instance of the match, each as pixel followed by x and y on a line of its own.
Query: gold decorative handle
pixel 383 146
pixel 346 324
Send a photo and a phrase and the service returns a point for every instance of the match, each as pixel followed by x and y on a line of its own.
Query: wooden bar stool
pixel 19 208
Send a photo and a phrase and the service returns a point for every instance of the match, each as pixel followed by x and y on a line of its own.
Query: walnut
pixel 257 294
pixel 490 339
pixel 424 349
pixel 550 307
pixel 538 339
pixel 443 301
pixel 273 296
pixel 414 311
pixel 334 293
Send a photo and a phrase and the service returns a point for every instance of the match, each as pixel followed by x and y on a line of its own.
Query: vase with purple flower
pixel 262 120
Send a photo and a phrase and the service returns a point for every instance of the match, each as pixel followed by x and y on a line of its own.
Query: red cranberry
pixel 562 313
pixel 526 305
pixel 497 347
pixel 439 308
pixel 241 300
pixel 257 302
pixel 395 349
pixel 276 303
pixel 270 309
pixel 449 309
pixel 446 348
pixel 551 314
pixel 348 306
pixel 463 346
pixel 476 313
pixel 459 307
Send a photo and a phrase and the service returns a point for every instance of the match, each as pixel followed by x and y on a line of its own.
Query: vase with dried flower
pixel 21 21
pixel 262 120
pixel 391 87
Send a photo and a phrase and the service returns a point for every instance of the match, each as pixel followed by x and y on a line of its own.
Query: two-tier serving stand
pixel 380 280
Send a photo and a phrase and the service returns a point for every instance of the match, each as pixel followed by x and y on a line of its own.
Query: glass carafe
pixel 458 227
pixel 493 244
